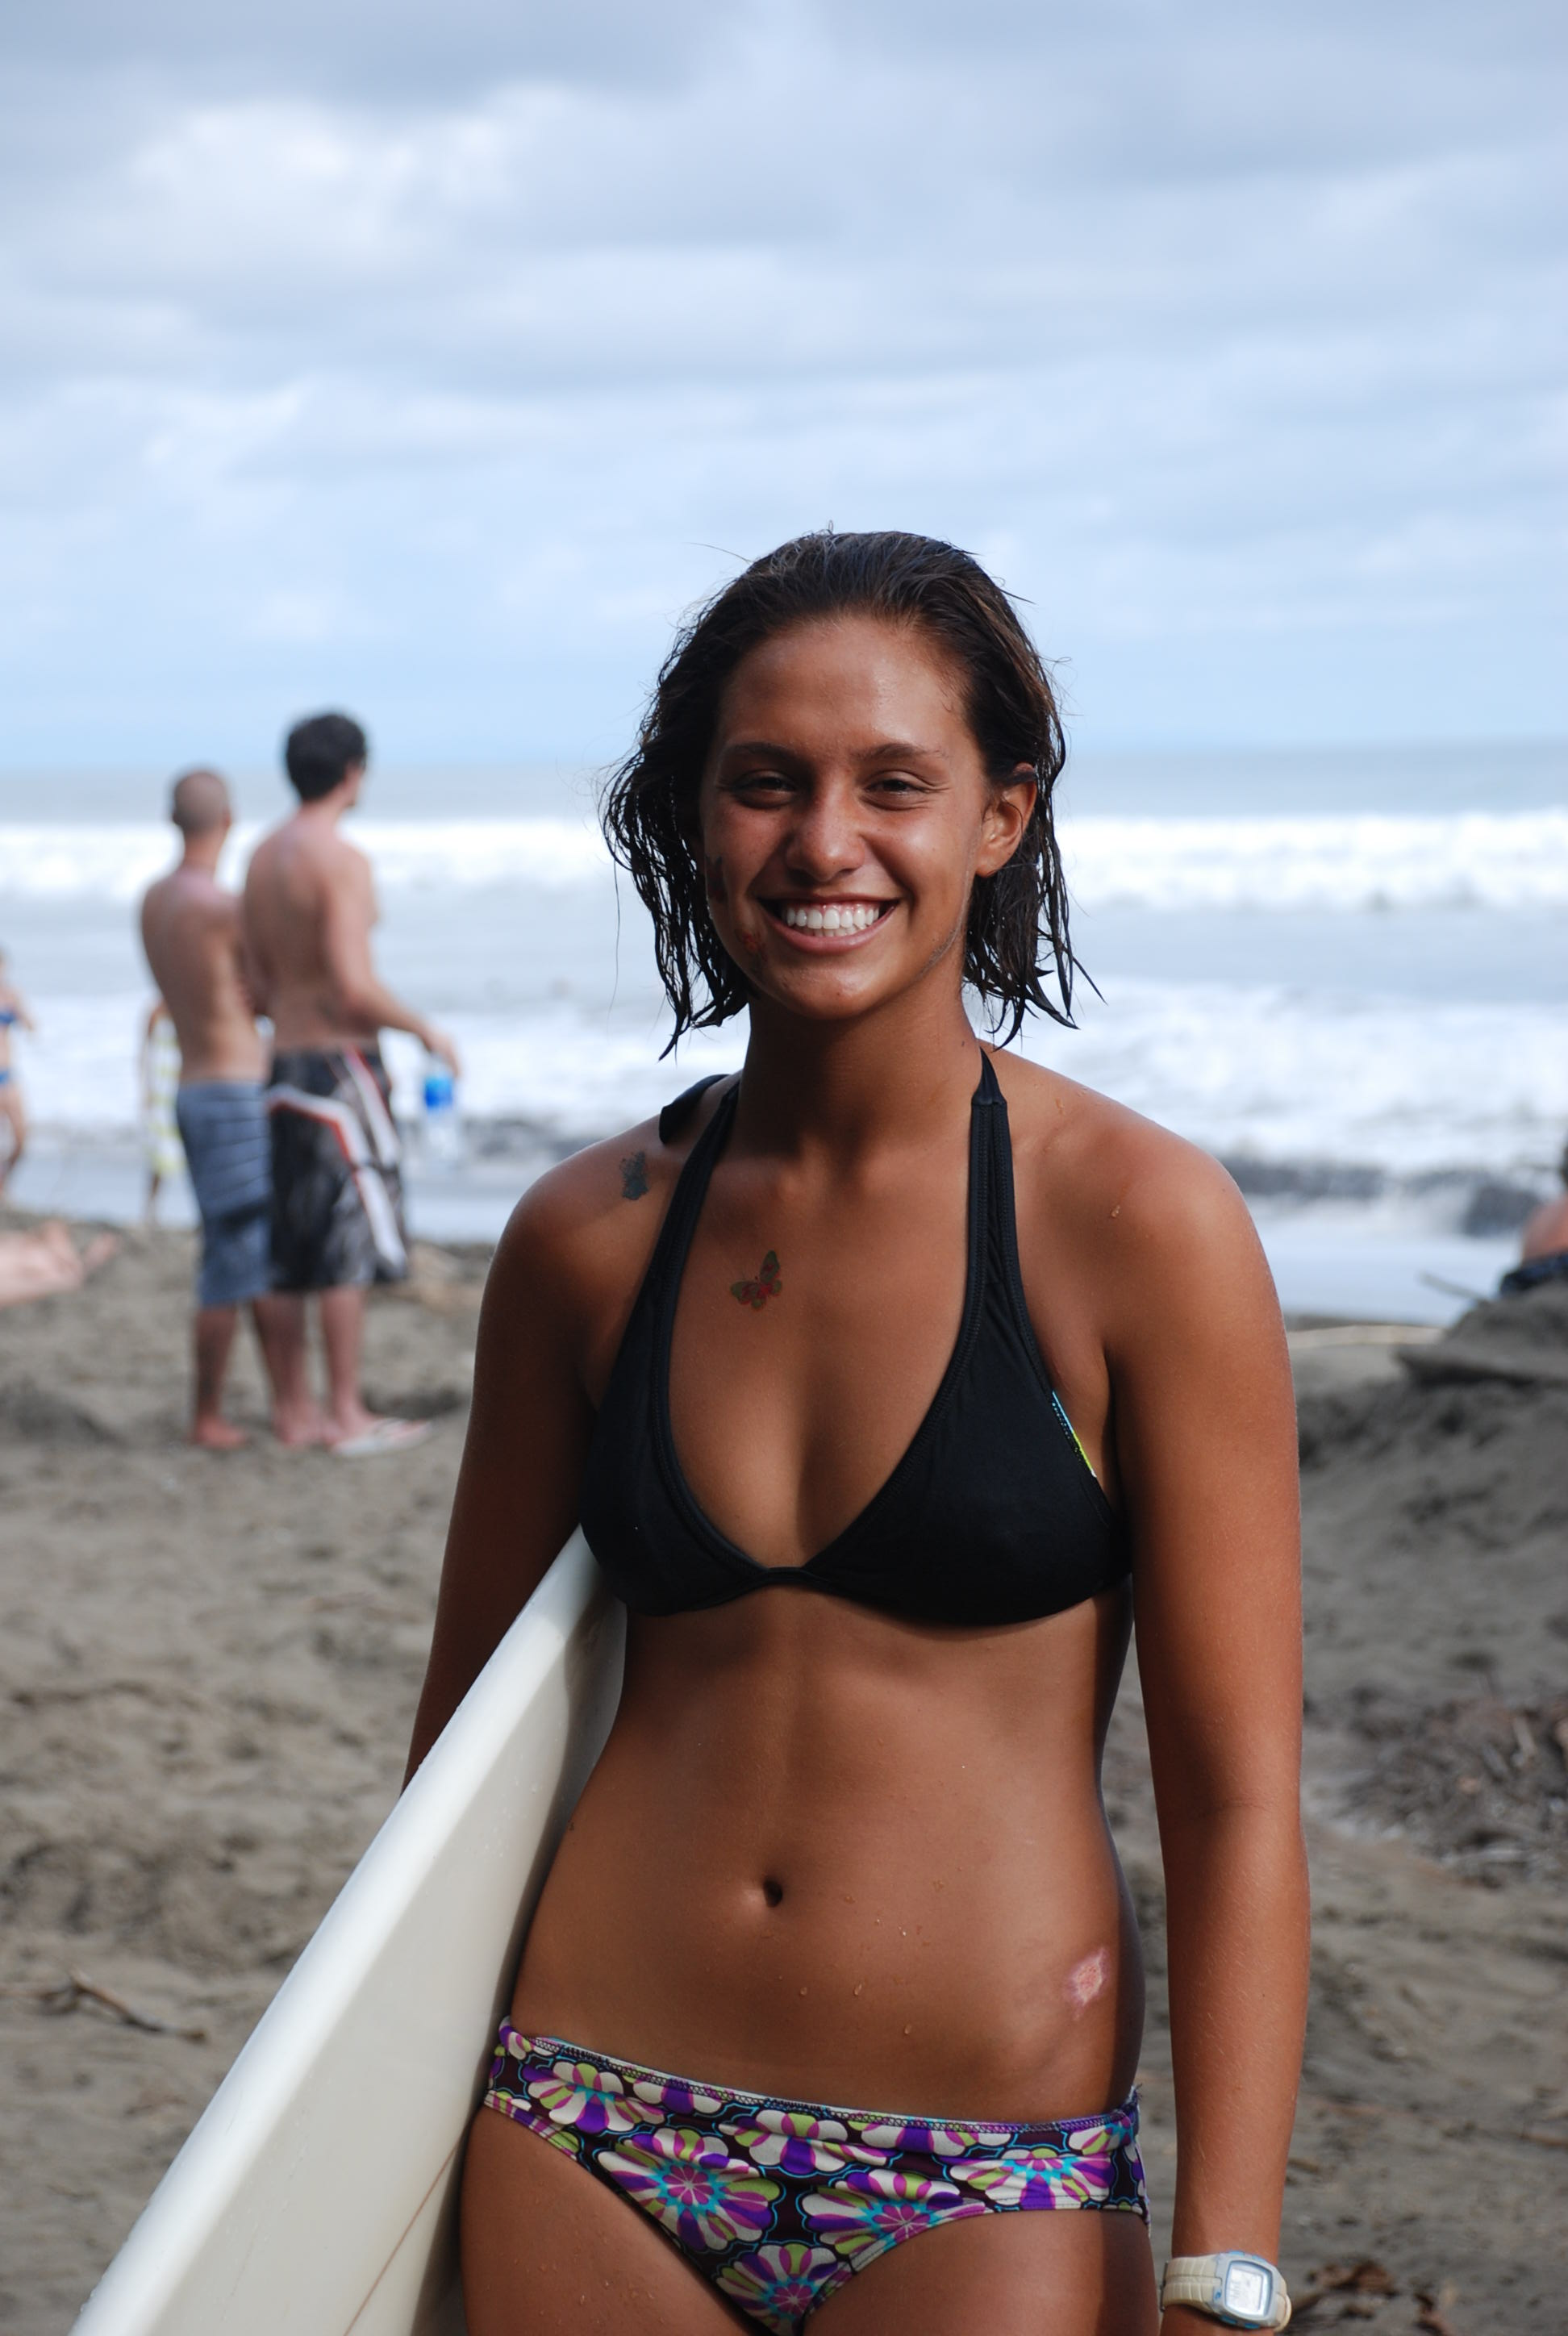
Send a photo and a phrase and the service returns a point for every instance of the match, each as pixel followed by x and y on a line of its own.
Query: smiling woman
pixel 1009 1374
pixel 991 678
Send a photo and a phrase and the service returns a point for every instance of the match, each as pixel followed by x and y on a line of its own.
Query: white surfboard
pixel 317 2194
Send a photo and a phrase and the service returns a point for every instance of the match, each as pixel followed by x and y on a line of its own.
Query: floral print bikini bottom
pixel 778 2203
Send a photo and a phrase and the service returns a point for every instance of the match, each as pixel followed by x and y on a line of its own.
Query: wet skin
pixel 828 1853
pixel 192 933
pixel 310 911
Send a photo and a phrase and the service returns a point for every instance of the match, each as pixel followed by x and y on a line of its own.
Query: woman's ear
pixel 1006 815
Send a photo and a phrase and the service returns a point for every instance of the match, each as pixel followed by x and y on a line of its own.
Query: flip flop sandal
pixel 386 1436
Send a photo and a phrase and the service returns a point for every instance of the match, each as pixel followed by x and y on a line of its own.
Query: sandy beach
pixel 208 1666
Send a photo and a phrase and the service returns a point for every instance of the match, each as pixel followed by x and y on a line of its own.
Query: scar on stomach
pixel 1088 1980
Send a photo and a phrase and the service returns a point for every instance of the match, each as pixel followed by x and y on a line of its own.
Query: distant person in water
pixel 13 1116
pixel 1544 1252
pixel 160 1083
pixel 337 1174
pixel 191 931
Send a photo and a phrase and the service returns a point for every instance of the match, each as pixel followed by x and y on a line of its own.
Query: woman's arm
pixel 1204 1423
pixel 527 1434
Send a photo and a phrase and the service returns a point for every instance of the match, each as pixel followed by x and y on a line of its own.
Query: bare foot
pixel 342 1423
pixel 296 1431
pixel 216 1435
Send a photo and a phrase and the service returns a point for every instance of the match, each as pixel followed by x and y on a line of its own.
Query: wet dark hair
pixel 1018 925
pixel 319 752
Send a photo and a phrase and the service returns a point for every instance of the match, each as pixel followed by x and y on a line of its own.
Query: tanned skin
pixel 828 1852
pixel 310 914
pixel 195 950
pixel 11 1109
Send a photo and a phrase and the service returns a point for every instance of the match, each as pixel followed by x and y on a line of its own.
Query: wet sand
pixel 208 1670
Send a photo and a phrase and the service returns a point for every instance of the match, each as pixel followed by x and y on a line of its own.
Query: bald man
pixel 192 933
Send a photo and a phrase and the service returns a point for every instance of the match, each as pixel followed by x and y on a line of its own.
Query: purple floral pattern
pixel 778 2203
pixel 1029 2178
pixel 890 2136
pixel 689 2181
pixel 777 2286
pixel 669 2096
pixel 870 2211
pixel 795 2141
pixel 588 2098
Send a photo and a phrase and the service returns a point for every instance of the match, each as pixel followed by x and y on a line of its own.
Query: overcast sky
pixel 430 361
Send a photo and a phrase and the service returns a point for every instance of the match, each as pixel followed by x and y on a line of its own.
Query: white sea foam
pixel 1278 1075
pixel 1507 860
pixel 1378 862
pixel 508 930
pixel 1403 1084
pixel 114 863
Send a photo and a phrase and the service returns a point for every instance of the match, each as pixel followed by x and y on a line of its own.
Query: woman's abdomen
pixel 871 1869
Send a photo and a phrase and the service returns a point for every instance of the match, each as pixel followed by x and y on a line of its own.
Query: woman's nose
pixel 824 836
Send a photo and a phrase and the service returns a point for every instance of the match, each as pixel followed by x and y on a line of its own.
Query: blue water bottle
pixel 442 1129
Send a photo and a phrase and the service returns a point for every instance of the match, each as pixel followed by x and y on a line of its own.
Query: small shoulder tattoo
pixel 755 1294
pixel 634 1176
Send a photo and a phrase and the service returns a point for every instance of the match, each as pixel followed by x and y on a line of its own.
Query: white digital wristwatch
pixel 1238 2291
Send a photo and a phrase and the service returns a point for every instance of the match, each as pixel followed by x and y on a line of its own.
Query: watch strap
pixel 1193 2279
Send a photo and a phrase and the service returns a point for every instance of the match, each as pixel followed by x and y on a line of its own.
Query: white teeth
pixel 854 918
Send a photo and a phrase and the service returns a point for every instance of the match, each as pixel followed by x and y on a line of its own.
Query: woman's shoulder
pixel 586 1228
pixel 1142 1205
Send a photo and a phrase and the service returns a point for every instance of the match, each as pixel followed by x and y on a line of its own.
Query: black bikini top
pixel 992 1515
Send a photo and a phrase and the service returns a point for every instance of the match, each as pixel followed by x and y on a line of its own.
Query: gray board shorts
pixel 228 1151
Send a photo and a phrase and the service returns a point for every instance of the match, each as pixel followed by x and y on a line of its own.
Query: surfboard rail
pixel 316 2193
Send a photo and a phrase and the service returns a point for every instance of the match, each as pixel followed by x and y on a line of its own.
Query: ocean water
pixel 1347 975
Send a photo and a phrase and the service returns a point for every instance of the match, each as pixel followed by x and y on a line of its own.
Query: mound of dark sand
pixel 1522 1340
pixel 1477 1783
pixel 1437 1514
pixel 33 1414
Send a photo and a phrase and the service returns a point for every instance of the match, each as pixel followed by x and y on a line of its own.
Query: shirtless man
pixel 336 1180
pixel 191 931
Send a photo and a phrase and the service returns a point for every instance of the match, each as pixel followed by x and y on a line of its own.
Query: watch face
pixel 1249 2288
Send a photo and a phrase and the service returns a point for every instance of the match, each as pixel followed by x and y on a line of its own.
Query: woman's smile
pixel 823 926
pixel 845 811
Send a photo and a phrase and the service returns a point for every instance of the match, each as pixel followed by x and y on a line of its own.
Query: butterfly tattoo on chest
pixel 755 1294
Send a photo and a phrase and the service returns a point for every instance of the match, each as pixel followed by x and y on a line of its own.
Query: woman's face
pixel 844 813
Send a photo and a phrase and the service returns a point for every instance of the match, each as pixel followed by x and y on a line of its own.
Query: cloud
pixel 436 372
pixel 381 49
